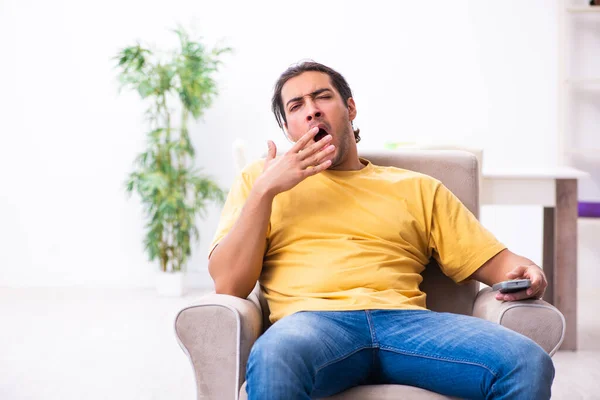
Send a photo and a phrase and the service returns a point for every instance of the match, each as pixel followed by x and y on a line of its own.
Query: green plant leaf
pixel 173 192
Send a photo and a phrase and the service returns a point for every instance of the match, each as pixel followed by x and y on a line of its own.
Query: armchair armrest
pixel 217 334
pixel 536 319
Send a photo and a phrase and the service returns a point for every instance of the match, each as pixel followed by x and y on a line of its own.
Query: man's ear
pixel 351 109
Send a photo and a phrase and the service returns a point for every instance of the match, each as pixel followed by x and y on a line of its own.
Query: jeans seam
pixel 439 358
pixel 327 364
pixel 493 390
pixel 371 330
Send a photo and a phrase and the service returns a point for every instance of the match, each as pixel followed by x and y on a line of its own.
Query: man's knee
pixel 533 363
pixel 280 364
pixel 540 368
pixel 282 350
pixel 526 370
pixel 270 351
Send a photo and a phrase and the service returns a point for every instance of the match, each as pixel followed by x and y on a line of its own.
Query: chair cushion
pixel 378 392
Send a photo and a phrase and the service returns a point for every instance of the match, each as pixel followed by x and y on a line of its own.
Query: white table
pixel 555 189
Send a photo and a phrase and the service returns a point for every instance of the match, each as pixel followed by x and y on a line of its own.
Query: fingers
pixel 538 282
pixel 536 293
pixel 319 168
pixel 315 159
pixel 311 153
pixel 272 153
pixel 520 295
pixel 303 141
pixel 313 147
pixel 517 272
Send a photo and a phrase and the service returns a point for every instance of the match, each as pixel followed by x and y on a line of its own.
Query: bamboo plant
pixel 178 86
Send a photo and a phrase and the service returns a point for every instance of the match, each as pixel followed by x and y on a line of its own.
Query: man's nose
pixel 313 112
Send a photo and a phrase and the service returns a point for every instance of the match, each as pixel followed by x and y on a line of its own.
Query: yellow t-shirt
pixel 357 240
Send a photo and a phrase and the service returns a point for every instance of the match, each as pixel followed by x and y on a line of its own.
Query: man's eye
pixel 294 107
pixel 324 97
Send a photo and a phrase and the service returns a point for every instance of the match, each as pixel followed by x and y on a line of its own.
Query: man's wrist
pixel 263 190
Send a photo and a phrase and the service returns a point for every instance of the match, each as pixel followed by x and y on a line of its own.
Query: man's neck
pixel 353 163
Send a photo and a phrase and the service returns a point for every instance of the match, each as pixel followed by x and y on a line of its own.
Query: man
pixel 338 245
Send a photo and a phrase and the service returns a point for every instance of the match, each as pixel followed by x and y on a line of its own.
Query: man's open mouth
pixel 322 133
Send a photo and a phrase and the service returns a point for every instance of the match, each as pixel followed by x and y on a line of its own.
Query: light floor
pixel 119 344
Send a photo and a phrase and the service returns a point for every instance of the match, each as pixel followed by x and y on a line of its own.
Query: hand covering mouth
pixel 322 133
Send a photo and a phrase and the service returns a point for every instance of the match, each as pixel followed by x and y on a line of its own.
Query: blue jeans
pixel 317 354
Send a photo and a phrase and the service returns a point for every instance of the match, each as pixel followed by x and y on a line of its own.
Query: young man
pixel 339 244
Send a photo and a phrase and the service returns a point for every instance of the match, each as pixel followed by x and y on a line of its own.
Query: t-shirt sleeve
pixel 459 242
pixel 234 204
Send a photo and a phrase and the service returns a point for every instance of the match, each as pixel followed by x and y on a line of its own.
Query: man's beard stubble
pixel 342 149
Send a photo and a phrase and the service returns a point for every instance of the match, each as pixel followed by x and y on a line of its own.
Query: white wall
pixel 582 113
pixel 477 71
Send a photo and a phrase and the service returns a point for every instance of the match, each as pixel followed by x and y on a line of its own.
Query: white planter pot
pixel 169 284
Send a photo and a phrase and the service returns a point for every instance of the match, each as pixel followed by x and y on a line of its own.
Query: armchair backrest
pixel 458 171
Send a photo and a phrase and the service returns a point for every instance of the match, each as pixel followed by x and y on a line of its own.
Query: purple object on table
pixel 589 209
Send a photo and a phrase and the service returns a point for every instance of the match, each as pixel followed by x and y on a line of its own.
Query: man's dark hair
pixel 337 80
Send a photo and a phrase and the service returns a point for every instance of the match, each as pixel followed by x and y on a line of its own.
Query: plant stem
pixel 167 117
